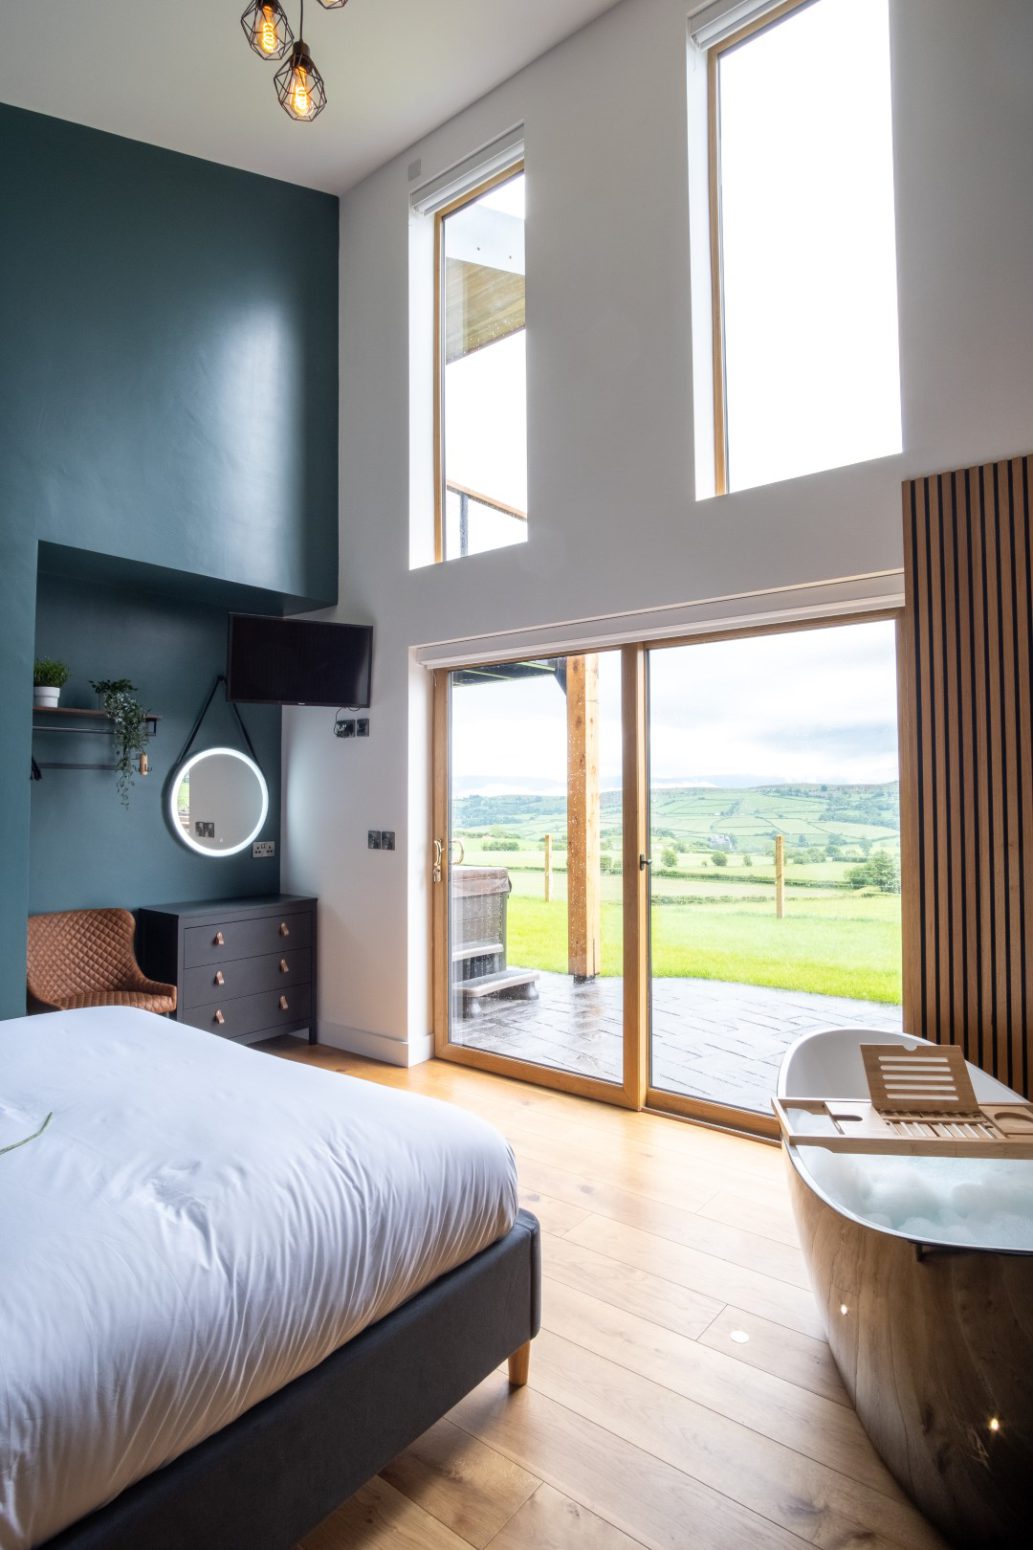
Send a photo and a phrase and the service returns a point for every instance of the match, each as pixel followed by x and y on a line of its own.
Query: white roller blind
pixel 494 157
pixel 713 23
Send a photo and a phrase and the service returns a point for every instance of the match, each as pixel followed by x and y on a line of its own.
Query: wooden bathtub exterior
pixel 935 1345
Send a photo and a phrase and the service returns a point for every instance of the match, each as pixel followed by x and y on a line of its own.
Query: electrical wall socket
pixel 344 727
pixel 362 727
pixel 263 848
pixel 373 839
pixel 387 839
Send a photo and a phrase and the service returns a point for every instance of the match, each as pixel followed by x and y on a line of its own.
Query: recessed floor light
pixel 740 1336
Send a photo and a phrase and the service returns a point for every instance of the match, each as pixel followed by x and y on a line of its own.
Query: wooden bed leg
pixel 519 1365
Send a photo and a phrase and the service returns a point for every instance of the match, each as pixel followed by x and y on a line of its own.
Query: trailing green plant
pixel 129 724
pixel 48 673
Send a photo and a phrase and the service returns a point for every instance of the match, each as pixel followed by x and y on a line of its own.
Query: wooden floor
pixel 681 1394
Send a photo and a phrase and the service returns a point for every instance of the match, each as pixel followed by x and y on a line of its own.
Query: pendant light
pixel 267 29
pixel 300 89
pixel 299 86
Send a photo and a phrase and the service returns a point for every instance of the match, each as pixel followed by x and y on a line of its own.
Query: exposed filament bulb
pixel 268 33
pixel 267 29
pixel 301 103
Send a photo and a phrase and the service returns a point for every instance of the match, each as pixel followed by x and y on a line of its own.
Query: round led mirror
pixel 218 801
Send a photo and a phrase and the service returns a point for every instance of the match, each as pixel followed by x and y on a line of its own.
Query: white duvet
pixel 198 1224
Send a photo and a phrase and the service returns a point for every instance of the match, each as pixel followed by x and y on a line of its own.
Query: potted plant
pixel 48 679
pixel 129 726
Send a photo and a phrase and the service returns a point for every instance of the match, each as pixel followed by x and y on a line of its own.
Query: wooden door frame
pixel 636 1090
pixel 630 1091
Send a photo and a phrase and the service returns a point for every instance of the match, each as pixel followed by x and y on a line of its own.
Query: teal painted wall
pixel 86 849
pixel 168 383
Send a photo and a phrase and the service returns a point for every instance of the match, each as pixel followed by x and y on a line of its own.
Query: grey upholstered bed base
pixel 277 1471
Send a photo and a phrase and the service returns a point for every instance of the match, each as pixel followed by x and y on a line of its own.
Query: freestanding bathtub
pixel 923 1269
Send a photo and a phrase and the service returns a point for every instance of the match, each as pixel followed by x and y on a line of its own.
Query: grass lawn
pixel 715 921
pixel 832 945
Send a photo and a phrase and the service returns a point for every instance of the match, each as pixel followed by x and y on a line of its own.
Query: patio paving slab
pixel 711 1039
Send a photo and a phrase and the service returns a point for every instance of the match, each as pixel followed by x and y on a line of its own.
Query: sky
pixel 808 245
pixel 486 404
pixel 806 705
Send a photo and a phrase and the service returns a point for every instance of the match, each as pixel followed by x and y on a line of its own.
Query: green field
pixel 696 818
pixel 822 947
pixel 716 920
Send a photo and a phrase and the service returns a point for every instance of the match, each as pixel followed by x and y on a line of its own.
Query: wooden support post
pixel 780 876
pixel 548 868
pixel 583 814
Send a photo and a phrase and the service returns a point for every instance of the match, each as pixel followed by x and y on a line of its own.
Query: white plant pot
pixel 43 696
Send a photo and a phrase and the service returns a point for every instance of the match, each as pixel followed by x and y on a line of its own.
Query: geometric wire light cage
pixel 267 29
pixel 333 5
pixel 299 86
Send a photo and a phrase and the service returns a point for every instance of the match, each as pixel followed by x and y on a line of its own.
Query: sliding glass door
pixel 775 844
pixel 663 938
pixel 531 855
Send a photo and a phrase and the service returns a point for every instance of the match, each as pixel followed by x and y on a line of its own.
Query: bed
pixel 234 1287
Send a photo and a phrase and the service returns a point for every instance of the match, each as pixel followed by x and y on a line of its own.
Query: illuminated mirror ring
pixel 218 802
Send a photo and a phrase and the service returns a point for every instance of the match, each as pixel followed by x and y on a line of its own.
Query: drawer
pixel 245 976
pixel 246 938
pixel 252 1014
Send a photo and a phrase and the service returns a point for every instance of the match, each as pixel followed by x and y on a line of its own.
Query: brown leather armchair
pixel 85 958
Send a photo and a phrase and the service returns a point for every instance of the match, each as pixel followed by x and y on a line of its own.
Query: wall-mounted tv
pixel 298 661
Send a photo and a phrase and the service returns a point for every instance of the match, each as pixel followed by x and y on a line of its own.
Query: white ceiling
pixel 179 73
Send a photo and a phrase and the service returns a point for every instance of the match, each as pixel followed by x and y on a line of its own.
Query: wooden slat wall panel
pixel 967 777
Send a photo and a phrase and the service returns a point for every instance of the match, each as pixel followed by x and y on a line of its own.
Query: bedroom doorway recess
pixel 537 882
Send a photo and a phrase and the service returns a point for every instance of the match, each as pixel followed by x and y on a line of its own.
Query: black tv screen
pixel 298 661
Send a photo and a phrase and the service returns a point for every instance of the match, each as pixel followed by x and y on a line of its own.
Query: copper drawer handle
pixel 220 940
pixel 220 978
pixel 285 967
pixel 283 1003
pixel 218 1017
pixel 285 930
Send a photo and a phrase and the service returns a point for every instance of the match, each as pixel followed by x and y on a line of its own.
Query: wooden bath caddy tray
pixel 922 1105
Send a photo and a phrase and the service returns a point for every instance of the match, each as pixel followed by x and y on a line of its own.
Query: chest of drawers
pixel 243 968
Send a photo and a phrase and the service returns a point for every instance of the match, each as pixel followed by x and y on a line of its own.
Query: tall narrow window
pixel 482 432
pixel 804 261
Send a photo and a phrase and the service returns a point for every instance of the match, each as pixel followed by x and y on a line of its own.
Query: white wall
pixel 614 523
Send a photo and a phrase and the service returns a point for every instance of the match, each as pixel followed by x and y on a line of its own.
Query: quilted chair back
pixel 77 952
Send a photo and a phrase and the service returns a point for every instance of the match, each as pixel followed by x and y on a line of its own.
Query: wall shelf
pixel 43 720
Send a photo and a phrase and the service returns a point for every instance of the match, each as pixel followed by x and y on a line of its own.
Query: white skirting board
pixel 376 1046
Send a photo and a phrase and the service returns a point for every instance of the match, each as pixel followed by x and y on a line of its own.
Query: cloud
pixel 808 705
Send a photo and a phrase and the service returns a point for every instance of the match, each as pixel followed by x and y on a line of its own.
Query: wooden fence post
pixel 780 876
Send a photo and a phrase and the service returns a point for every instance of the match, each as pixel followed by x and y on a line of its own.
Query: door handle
pixel 439 851
pixel 643 862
